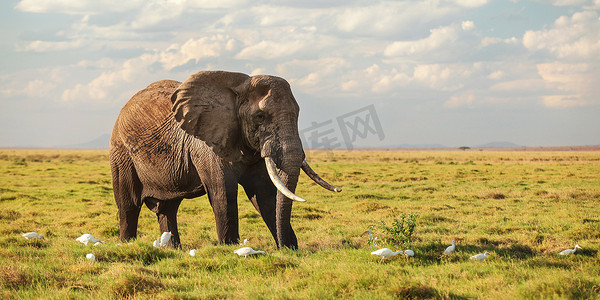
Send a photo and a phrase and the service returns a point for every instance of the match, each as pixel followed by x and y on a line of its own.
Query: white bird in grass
pixel 245 251
pixel 91 257
pixel 450 249
pixel 87 238
pixel 386 253
pixel 408 253
pixel 244 242
pixel 163 240
pixel 480 256
pixel 193 252
pixel 569 251
pixel 32 235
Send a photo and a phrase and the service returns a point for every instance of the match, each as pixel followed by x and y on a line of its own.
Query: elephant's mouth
pixel 272 170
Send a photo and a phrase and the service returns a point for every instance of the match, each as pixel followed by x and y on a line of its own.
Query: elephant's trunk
pixel 284 170
pixel 285 234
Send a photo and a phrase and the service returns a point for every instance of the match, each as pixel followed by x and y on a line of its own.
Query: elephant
pixel 217 129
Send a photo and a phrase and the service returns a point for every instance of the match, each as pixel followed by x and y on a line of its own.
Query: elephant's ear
pixel 205 106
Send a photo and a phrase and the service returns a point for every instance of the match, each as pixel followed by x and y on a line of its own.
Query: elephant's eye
pixel 259 118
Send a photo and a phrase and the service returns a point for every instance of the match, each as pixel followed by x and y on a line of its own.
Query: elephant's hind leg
pixel 127 190
pixel 166 212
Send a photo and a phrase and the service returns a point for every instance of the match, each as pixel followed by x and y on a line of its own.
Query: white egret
pixel 87 238
pixel 193 252
pixel 245 251
pixel 408 253
pixel 244 242
pixel 480 256
pixel 569 251
pixel 91 257
pixel 32 235
pixel 164 238
pixel 450 249
pixel 386 253
pixel 156 244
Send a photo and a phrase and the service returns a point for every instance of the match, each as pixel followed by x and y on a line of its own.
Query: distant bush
pixel 20 161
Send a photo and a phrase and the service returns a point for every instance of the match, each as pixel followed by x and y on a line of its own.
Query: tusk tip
pixel 337 190
pixel 297 199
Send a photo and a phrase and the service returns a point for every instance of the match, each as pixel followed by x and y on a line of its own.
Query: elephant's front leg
pixel 262 193
pixel 222 194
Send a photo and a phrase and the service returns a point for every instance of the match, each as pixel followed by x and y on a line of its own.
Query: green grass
pixel 522 207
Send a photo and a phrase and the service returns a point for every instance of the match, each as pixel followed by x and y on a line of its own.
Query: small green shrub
pixel 401 230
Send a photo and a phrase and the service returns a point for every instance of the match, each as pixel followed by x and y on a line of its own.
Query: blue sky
pixel 462 72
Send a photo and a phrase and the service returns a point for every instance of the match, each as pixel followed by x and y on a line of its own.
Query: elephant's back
pixel 146 111
pixel 152 103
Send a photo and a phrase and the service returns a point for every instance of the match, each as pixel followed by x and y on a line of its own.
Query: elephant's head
pixel 238 115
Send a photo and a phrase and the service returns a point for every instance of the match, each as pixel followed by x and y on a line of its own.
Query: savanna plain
pixel 521 207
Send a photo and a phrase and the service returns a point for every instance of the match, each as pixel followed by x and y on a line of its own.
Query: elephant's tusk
pixel 314 176
pixel 277 181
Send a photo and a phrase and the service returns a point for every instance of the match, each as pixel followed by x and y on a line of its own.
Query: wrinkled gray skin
pixel 177 140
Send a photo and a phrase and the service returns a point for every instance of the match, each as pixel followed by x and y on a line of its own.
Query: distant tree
pixel 463 148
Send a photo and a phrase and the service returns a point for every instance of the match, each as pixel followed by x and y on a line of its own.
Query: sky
pixel 450 72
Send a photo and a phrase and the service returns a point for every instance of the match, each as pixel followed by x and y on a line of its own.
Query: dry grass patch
pixel 14 277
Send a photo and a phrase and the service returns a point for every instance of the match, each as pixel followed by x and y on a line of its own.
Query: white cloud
pixel 79 7
pixel 445 77
pixel 258 71
pixel 467 25
pixel 572 47
pixel 589 4
pixel 471 3
pixel 576 38
pixel 43 85
pixel 524 86
pixel 271 49
pixel 284 16
pixel 438 38
pixel 113 86
pixel 496 75
pixel 314 76
pixel 51 46
pixel 154 12
pixel 374 80
pixel 574 84
pixel 195 49
pixel 38 88
pixel 212 4
pixel 103 63
pixel 94 7
pixel 464 99
pixel 393 18
pixel 488 41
